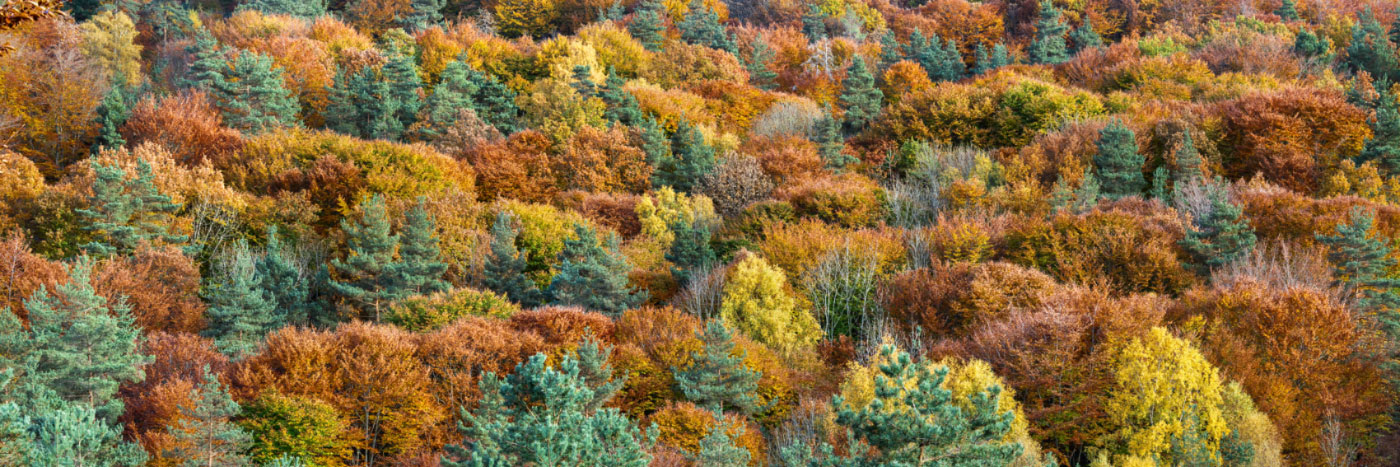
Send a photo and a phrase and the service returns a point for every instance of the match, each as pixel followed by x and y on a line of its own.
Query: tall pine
pixel 622 106
pixel 240 311
pixel 859 96
pixel 251 96
pixel 1118 161
pixel 505 267
pixel 420 268
pixel 365 277
pixel 1384 144
pixel 593 277
pixel 757 64
pixel 689 159
pixel 1048 47
pixel 124 214
pixel 283 282
pixel 690 251
pixel 206 434
pixel 647 25
pixel 717 377
pixel 1084 38
pixel 1221 237
pixel 701 26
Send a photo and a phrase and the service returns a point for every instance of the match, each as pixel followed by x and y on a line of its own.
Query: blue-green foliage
pixel 593 277
pixel 124 214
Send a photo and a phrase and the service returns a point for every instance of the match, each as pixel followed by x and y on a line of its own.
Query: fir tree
pixel 453 93
pixel 494 102
pixel 363 105
pixel 208 64
pixel 283 282
pixel 505 267
pixel 206 434
pixel 814 23
pixel 701 26
pixel 309 9
pixel 1048 48
pixel 366 274
pixel 689 160
pixel 860 98
pixel 1288 11
pixel 405 87
pixel 125 214
pixel 583 82
pixel 1371 49
pixel 830 143
pixel 251 97
pixel 111 114
pixel 593 277
pixel 757 64
pixel 539 415
pixel 240 310
pixel 622 106
pixel 646 24
pixel 690 250
pixel 1118 161
pixel 420 268
pixel 1384 144
pixel 717 449
pixel 656 147
pixel 1221 237
pixel 422 14
pixel 1084 38
pixel 718 378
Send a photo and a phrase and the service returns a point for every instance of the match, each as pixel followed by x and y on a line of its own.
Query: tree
pixel 532 18
pixel 125 214
pixel 1313 46
pixel 689 160
pixel 251 97
pixel 539 415
pixel 646 24
pixel 1361 265
pixel 302 427
pixel 405 86
pixel 583 82
pixel 593 277
pixel 1118 161
pixel 717 377
pixel 656 147
pixel 622 105
pixel 701 26
pixel 756 302
pixel 365 277
pixel 998 58
pixel 717 448
pixel 505 267
pixel 1187 161
pixel 112 114
pixel 1384 144
pixel 309 9
pixel 1370 49
pixel 860 98
pixel 1084 38
pixel 830 143
pixel 814 23
pixel 363 104
pixel 282 282
pixel 68 433
pixel 423 14
pixel 420 267
pixel 1288 10
pixel 890 49
pixel 240 310
pixel 1048 47
pixel 494 102
pixel 209 61
pixel 453 93
pixel 757 64
pixel 914 421
pixel 690 250
pixel 206 434
pixel 1221 237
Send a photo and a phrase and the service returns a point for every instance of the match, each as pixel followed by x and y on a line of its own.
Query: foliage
pixel 717 377
pixel 593 276
pixel 757 302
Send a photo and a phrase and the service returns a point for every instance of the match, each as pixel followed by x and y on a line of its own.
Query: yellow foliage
pixel 615 47
pixel 533 18
pixel 758 303
pixel 1253 426
pixel 19 177
pixel 657 211
pixel 110 38
pixel 556 109
pixel 560 55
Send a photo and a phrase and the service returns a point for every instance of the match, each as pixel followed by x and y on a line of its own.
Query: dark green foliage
pixel 365 277
pixel 1188 161
pixel 65 434
pixel 593 277
pixel 209 60
pixel 1118 161
pixel 1362 264
pixel 941 60
pixel 1159 190
pixel 930 429
pixel 655 145
pixel 420 268
pixel 283 282
pixel 1384 144
pixel 111 114
pixel 405 87
pixel 701 26
pixel 423 14
pixel 251 97
pixel 998 58
pixel 125 214
pixel 363 105
pixel 622 105
pixel 1288 11
pixel 1084 38
pixel 1371 50
pixel 690 158
pixel 240 309
pixel 494 102
pixel 540 416
pixel 452 94
pixel 1077 200
pixel 859 96
pixel 583 81
pixel 889 49
pixel 814 23
pixel 206 431
pixel 1049 48
pixel 1222 236
pixel 647 25
pixel 830 143
pixel 597 373
pixel 717 378
pixel 717 449
pixel 299 8
pixel 757 64
pixel 690 250
pixel 505 267
pixel 1310 45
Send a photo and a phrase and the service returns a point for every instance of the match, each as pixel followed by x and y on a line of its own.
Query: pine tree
pixel 622 106
pixel 717 449
pixel 365 276
pixel 583 81
pixel 206 434
pixel 505 267
pixel 1159 189
pixel 701 26
pixel 1188 160
pixel 1087 196
pixel 593 277
pixel 596 373
pixel 208 64
pixel 1221 237
pixel 689 160
pixel 125 214
pixel 914 421
pixel 1371 49
pixel 494 102
pixel 646 25
pixel 539 415
pixel 1312 46
pixel 282 282
pixel 1084 38
pixel 309 9
pixel 423 14
pixel 830 143
pixel 951 66
pixel 656 147
pixel 453 93
pixel 363 104
pixel 814 23
pixel 917 48
pixel 890 50
pixel 420 268
pixel 1048 48
pixel 1288 11
pixel 999 57
pixel 615 12
pixel 718 378
pixel 1118 161
pixel 251 97
pixel 1384 144
pixel 1361 266
pixel 757 64
pixel 860 98
pixel 690 250
pixel 111 114
pixel 240 311
pixel 405 87
pixel 72 434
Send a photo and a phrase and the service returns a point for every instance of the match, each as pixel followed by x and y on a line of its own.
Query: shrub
pixel 427 313
pixel 848 200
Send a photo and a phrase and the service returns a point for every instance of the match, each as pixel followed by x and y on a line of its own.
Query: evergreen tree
pixel 718 378
pixel 593 277
pixel 309 9
pixel 539 415
pixel 999 57
pixel 917 48
pixel 365 277
pixel 656 147
pixel 1371 49
pixel 701 26
pixel 689 160
pixel 951 66
pixel 494 102
pixel 405 87
pixel 830 143
pixel 1312 46
pixel 125 214
pixel 111 114
pixel 596 373
pixel 814 23
pixel 647 24
pixel 890 50
pixel 717 449
pixel 757 64
pixel 690 250
pixel 1188 160
pixel 251 97
pixel 583 81
pixel 505 267
pixel 208 64
pixel 1384 144
pixel 420 268
pixel 914 421
pixel 1084 38
pixel 364 105
pixel 1159 185
pixel 1087 196
pixel 615 12
pixel 453 93
pixel 206 435
pixel 622 106
pixel 1221 237
pixel 859 96
pixel 1118 161
pixel 282 282
pixel 422 14
pixel 72 434
pixel 240 311
pixel 1048 48
pixel 1288 11
pixel 1361 266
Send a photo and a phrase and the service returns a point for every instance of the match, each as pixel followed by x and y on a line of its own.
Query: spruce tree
pixel 717 449
pixel 420 268
pixel 1384 144
pixel 365 277
pixel 1084 38
pixel 452 94
pixel 647 24
pixel 593 277
pixel 111 115
pixel 859 96
pixel 539 415
pixel 622 106
pixel 1118 161
pixel 690 250
pixel 422 14
pixel 830 143
pixel 505 267
pixel 1361 266
pixel 1048 47
pixel 124 214
pixel 240 311
pixel 251 97
pixel 206 434
pixel 1288 11
pixel 1221 237
pixel 689 160
pixel 282 282
pixel 717 378
pixel 757 64
pixel 701 26
pixel 814 23
pixel 1188 160
pixel 405 87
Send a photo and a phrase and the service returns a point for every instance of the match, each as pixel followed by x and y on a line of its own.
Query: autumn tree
pixel 757 302
pixel 206 433
pixel 532 18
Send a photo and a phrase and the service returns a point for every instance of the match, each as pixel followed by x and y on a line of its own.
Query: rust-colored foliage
pixel 683 425
pixel 849 200
pixel 602 161
pixel 950 299
pixel 186 124
pixel 22 273
pixel 517 168
pixel 1289 135
pixel 161 285
pixel 787 159
pixel 153 405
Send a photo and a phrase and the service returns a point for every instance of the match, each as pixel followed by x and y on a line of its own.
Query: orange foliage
pixel 22 273
pixel 1289 135
pixel 517 168
pixel 161 285
pixel 787 159
pixel 604 161
pixel 186 124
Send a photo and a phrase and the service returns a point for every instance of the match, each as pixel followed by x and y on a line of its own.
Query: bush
pixel 848 200
pixel 428 313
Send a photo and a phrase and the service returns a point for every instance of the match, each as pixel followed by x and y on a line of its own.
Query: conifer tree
pixel 494 102
pixel 830 143
pixel 701 26
pixel 689 160
pixel 951 66
pixel 1159 185
pixel 1084 38
pixel 422 14
pixel 1384 144
pixel 363 104
pixel 208 64
pixel 615 12
pixel 593 277
pixel 718 378
pixel 1087 196
pixel 125 214
pixel 1048 48
pixel 505 267
pixel 539 415
pixel 1312 46
pixel 814 23
pixel 717 449
pixel 309 9
pixel 596 373
pixel 583 81
pixel 1361 266
pixel 622 105
pixel 420 268
pixel 999 57
pixel 282 282
pixel 68 433
pixel 917 48
pixel 1371 49
pixel 1288 11
pixel 1221 237
pixel 206 434
pixel 240 311
pixel 690 250
pixel 111 114
pixel 453 93
pixel 251 97
pixel 757 64
pixel 890 50
pixel 1188 160
pixel 656 147
pixel 860 98
pixel 365 277
pixel 405 87
pixel 646 24
pixel 1118 161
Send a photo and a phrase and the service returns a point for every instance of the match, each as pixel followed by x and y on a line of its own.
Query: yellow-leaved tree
pixel 659 210
pixel 758 303
pixel 532 18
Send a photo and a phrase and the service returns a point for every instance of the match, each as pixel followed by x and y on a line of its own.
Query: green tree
pixel 859 96
pixel 309 9
pixel 717 449
pixel 452 94
pixel 890 49
pixel 647 25
pixel 690 251
pixel 420 268
pixel 622 105
pixel 717 377
pixel 111 115
pixel 282 282
pixel 1371 49
pixel 757 64
pixel 365 277
pixel 405 86
pixel 1048 47
pixel 1118 161
pixel 1310 45
pixel 209 60
pixel 363 105
pixel 1188 160
pixel 701 26
pixel 240 310
pixel 1084 38
pixel 1288 11
pixel 593 277
pixel 656 147
pixel 1384 144
pixel 124 214
pixel 422 14
pixel 1361 265
pixel 597 373
pixel 72 434
pixel 505 267
pixel 206 435
pixel 999 57
pixel 583 82
pixel 539 415
pixel 690 159
pixel 830 143
pixel 1222 236
pixel 251 97
pixel 814 23
pixel 495 102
